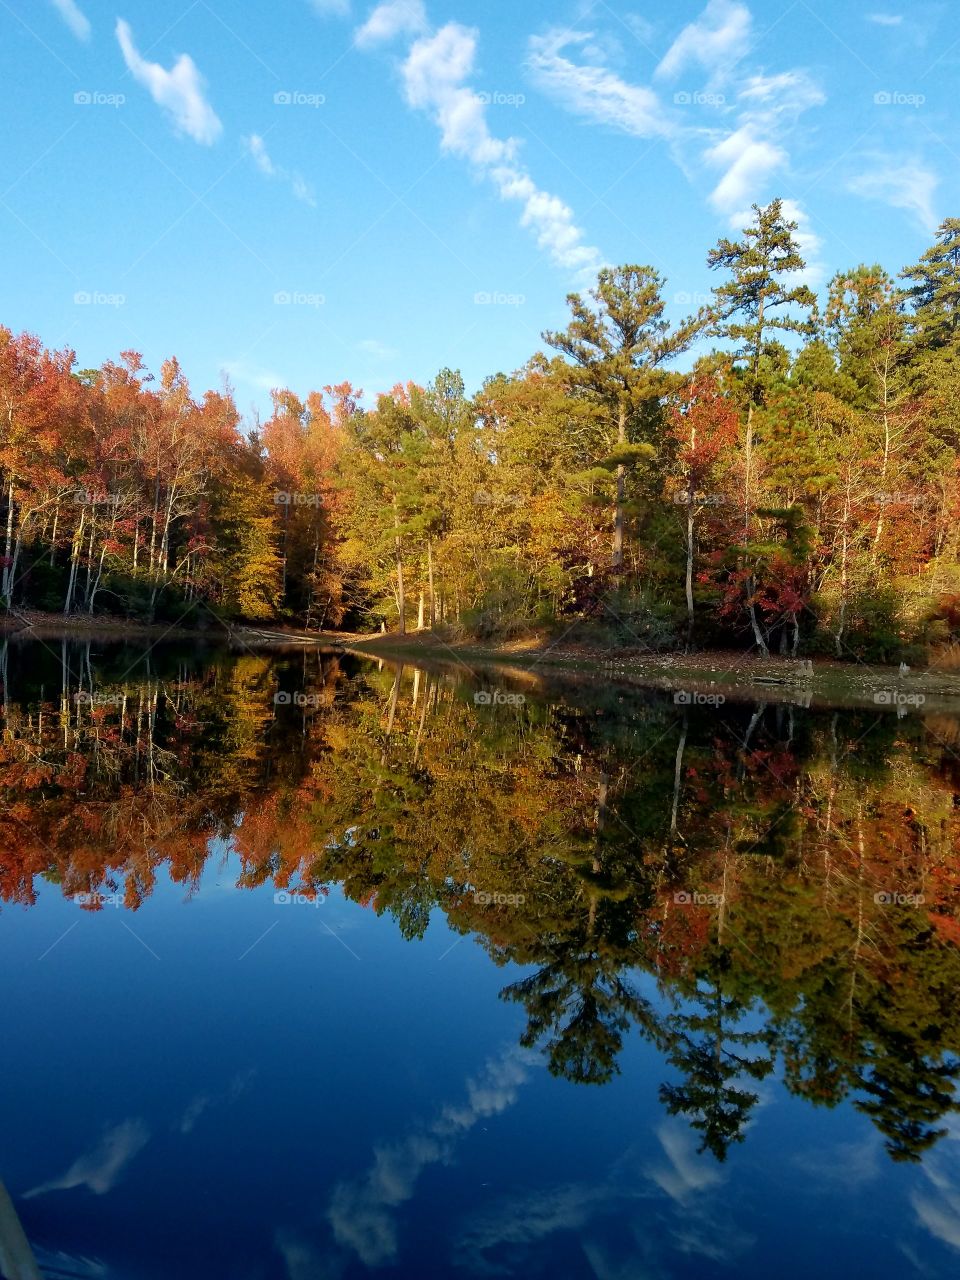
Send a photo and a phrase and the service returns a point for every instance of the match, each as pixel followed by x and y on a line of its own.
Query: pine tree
pixel 759 300
pixel 619 346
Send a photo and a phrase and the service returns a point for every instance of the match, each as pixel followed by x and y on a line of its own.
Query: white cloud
pixel 74 17
pixel 714 42
pixel 756 149
pixel 764 108
pixel 594 91
pixel 748 161
pixel 379 350
pixel 902 184
pixel 100 1168
pixel 391 19
pixel 261 158
pixel 434 73
pixel 302 190
pixel 253 376
pixel 808 242
pixel 886 19
pixel 788 93
pixel 180 91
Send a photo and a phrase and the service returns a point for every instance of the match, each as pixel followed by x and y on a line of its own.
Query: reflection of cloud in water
pixel 939 1210
pixel 303 1261
pixel 72 1265
pixel 849 1163
pixel 361 1211
pixel 100 1169
pixel 687 1173
pixel 615 1245
pixel 195 1108
pixel 527 1219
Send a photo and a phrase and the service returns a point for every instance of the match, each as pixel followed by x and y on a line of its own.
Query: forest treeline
pixel 788 879
pixel 795 488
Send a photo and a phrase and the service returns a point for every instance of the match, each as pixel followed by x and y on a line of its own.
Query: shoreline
pixel 707 672
pixel 735 675
pixel 27 623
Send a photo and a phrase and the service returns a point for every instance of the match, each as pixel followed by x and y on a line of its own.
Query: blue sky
pixel 309 191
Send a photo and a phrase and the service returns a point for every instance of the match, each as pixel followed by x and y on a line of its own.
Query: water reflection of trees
pixel 740 857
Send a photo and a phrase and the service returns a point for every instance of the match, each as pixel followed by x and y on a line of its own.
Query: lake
pixel 317 967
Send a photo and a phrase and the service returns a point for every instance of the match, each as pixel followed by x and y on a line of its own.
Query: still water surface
pixel 316 968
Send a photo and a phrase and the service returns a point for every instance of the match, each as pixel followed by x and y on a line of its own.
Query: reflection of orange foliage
pixel 682 931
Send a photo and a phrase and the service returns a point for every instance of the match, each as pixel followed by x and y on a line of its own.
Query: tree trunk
pixel 691 493
pixel 433 596
pixel 616 559
pixel 401 594
pixel 8 546
pixel 74 562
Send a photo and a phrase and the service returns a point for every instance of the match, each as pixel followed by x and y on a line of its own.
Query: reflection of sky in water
pixel 228 1088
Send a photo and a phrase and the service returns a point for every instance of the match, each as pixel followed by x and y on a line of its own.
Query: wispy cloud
pixel 768 108
pixel 100 1168
pixel 250 375
pixel 594 92
pixel 886 19
pixel 256 148
pixel 74 17
pixel 902 183
pixel 714 42
pixel 739 138
pixel 379 350
pixel 435 74
pixel 391 19
pixel 179 91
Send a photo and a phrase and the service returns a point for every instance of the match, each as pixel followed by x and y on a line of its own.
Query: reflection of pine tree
pixel 907 1094
pixel 583 1005
pixel 713 1057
